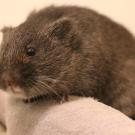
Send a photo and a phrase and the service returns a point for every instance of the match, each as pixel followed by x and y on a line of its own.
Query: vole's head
pixel 35 60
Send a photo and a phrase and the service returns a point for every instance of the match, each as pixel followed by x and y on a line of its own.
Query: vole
pixel 69 50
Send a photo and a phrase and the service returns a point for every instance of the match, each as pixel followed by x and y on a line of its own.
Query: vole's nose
pixel 8 80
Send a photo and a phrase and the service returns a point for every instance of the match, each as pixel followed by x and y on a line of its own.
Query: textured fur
pixel 78 51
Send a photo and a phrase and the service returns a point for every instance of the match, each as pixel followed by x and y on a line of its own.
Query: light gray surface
pixel 79 116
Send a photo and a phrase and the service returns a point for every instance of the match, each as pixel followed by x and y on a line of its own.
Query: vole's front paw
pixel 61 99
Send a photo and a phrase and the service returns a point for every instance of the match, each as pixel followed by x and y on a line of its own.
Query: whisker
pixel 34 87
pixel 50 88
pixel 37 89
pixel 48 79
pixel 42 87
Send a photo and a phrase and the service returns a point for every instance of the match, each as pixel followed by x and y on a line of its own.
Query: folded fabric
pixel 78 116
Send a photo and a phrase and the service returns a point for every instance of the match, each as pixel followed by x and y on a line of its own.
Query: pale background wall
pixel 13 12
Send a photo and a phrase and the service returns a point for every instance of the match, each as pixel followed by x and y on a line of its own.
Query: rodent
pixel 69 50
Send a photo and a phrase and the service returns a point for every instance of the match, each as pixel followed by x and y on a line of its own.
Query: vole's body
pixel 78 51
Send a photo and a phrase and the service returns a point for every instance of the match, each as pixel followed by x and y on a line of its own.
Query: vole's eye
pixel 30 51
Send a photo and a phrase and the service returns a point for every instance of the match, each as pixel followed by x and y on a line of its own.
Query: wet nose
pixel 8 80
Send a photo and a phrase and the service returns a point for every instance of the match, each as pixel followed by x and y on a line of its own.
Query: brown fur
pixel 78 51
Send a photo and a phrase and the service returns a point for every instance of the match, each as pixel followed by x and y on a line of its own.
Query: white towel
pixel 79 116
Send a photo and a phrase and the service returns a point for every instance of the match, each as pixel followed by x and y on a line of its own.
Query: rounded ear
pixel 6 31
pixel 60 28
pixel 64 29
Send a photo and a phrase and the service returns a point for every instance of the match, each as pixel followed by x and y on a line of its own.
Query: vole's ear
pixel 6 31
pixel 60 28
pixel 65 29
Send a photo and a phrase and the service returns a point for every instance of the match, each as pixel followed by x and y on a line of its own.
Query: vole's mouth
pixel 38 98
pixel 35 98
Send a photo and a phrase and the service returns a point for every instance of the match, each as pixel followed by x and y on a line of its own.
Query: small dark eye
pixel 31 51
